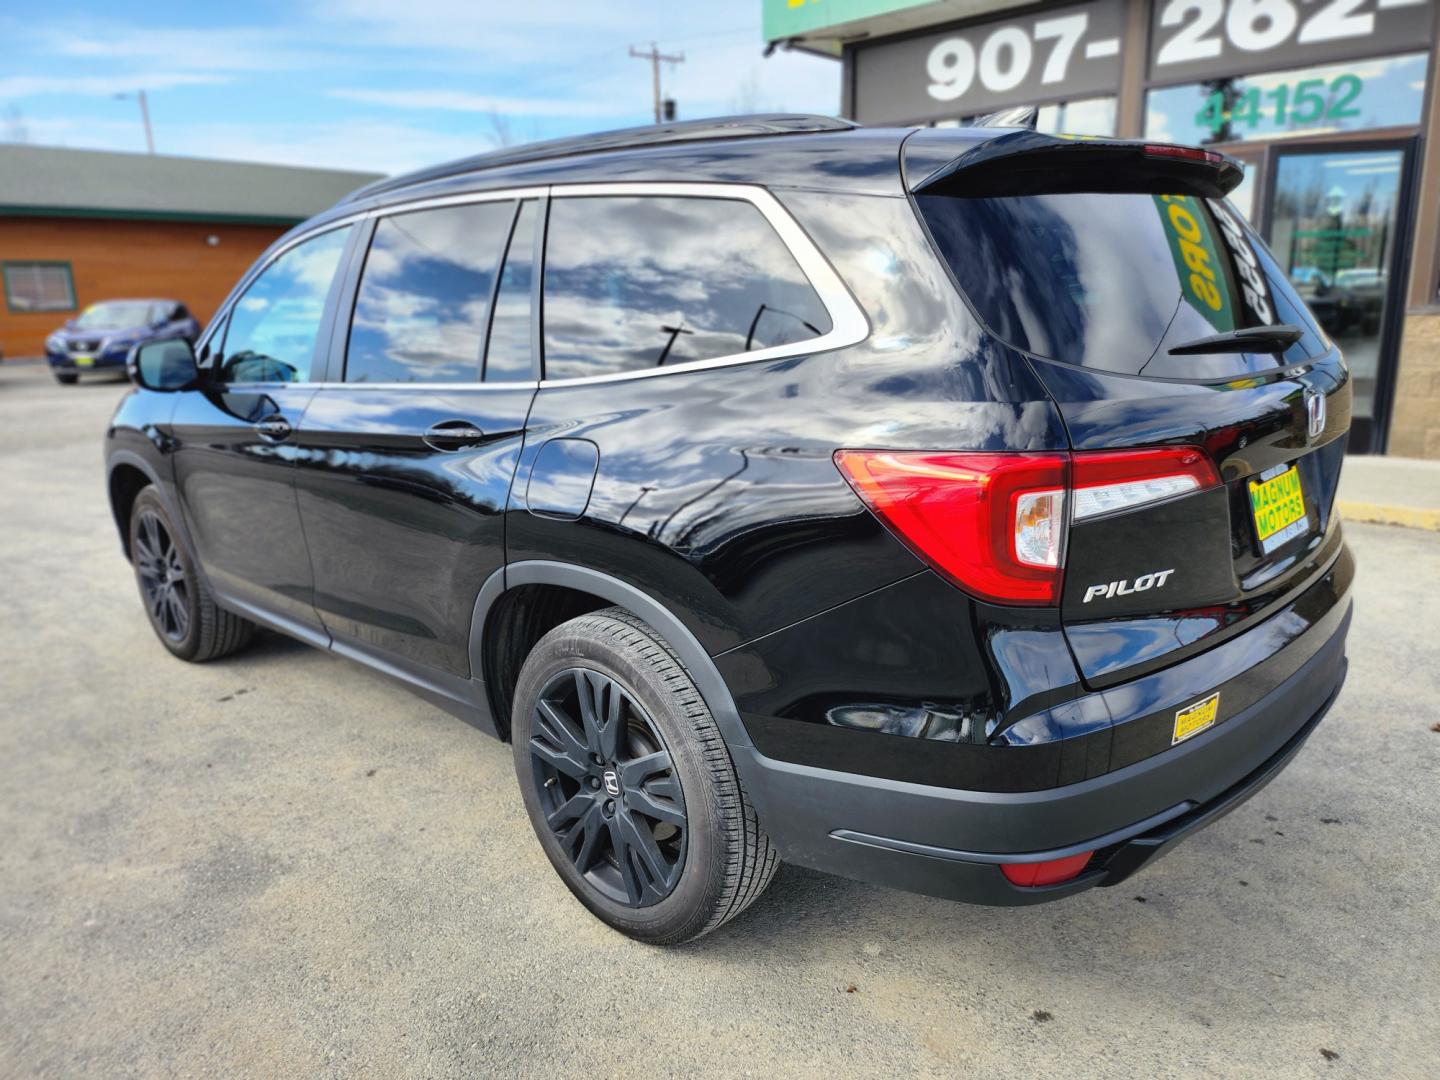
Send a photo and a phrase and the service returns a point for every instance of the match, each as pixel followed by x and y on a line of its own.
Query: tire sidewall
pixel 687 909
pixel 188 646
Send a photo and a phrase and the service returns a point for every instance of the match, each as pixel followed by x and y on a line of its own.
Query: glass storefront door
pixel 1335 223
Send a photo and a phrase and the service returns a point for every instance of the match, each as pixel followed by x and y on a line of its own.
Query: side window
pixel 507 358
pixel 425 293
pixel 637 282
pixel 274 324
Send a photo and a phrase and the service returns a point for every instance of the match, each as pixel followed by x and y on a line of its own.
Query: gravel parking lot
pixel 282 864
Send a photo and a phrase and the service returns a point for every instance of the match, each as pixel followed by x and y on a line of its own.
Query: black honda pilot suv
pixel 950 509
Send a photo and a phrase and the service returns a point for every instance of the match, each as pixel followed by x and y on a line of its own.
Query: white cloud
pixel 460 101
pixel 23 86
pixel 229 48
pixel 364 146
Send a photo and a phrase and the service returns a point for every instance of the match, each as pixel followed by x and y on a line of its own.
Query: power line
pixel 654 55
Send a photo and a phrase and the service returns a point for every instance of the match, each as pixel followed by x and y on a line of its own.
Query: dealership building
pixel 1331 105
pixel 78 226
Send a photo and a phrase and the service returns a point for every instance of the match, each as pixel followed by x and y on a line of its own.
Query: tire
pixel 67 379
pixel 666 776
pixel 177 599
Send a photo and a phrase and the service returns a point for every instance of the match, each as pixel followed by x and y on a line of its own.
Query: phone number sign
pixel 1063 53
pixel 1198 39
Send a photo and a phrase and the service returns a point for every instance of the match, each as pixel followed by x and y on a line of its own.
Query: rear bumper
pixel 950 842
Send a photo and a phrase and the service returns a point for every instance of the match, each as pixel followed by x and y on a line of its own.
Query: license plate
pixel 1278 504
pixel 1194 719
pixel 83 361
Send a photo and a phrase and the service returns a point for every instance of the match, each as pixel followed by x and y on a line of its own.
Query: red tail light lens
pixel 995 524
pixel 1032 874
pixel 992 523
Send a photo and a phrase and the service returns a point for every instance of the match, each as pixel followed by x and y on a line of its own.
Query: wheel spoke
pixel 593 830
pixel 151 526
pixel 634 773
pixel 558 760
pixel 555 728
pixel 653 805
pixel 619 840
pixel 591 691
pixel 181 612
pixel 572 809
pixel 640 845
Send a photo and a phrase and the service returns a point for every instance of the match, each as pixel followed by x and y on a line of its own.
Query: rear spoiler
pixel 1029 163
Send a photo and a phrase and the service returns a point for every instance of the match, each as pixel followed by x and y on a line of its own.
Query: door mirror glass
pixel 163 365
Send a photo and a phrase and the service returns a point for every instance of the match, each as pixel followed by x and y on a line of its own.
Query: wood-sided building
pixel 77 226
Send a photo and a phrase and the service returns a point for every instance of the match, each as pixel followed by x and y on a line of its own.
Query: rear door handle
pixel 274 429
pixel 451 435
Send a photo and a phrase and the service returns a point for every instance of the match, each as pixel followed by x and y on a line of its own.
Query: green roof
pixel 51 182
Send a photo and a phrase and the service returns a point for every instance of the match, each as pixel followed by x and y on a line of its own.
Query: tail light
pixel 995 524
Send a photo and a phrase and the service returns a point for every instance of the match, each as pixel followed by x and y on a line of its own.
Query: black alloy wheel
pixel 608 789
pixel 164 582
pixel 177 598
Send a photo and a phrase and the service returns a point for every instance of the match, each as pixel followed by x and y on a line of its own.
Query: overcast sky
pixel 380 85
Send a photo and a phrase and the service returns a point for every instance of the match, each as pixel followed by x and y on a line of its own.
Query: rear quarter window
pixel 634 283
pixel 1113 281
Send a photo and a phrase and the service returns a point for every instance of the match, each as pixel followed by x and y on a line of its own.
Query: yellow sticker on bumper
pixel 1194 719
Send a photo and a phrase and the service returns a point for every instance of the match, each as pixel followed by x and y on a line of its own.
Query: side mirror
pixel 163 365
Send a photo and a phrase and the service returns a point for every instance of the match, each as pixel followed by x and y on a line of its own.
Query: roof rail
pixel 719 127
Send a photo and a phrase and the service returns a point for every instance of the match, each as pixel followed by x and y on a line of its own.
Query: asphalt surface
pixel 282 864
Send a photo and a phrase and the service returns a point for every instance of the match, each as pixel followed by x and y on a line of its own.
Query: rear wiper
pixel 1261 339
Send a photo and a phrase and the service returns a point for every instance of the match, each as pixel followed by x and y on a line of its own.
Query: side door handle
pixel 451 435
pixel 274 429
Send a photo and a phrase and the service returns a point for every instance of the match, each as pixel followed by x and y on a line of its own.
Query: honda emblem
pixel 1315 412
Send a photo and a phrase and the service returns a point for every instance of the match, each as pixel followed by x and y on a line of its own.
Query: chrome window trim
pixel 848 323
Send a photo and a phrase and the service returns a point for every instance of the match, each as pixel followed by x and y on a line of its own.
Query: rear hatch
pixel 1157 319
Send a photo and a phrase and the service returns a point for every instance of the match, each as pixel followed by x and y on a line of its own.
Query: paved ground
pixel 281 864
pixel 1392 491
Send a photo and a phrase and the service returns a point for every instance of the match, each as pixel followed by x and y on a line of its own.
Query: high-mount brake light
pixel 996 524
pixel 1190 153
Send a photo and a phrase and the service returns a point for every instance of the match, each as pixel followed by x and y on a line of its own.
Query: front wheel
pixel 629 784
pixel 177 600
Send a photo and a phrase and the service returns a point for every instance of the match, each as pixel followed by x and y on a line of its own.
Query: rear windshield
pixel 1114 281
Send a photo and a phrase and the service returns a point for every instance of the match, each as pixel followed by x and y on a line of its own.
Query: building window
pixel 1387 92
pixel 39 286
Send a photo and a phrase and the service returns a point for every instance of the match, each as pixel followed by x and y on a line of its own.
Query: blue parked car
pixel 101 336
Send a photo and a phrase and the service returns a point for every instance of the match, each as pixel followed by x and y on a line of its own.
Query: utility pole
pixel 144 117
pixel 654 55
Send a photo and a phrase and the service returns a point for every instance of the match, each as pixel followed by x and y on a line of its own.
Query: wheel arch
pixel 497 651
pixel 127 474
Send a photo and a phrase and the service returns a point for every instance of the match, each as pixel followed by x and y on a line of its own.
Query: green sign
pixel 1197 259
pixel 794 18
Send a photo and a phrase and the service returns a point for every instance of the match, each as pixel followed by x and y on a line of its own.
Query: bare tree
pixel 16 130
pixel 502 132
pixel 747 97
